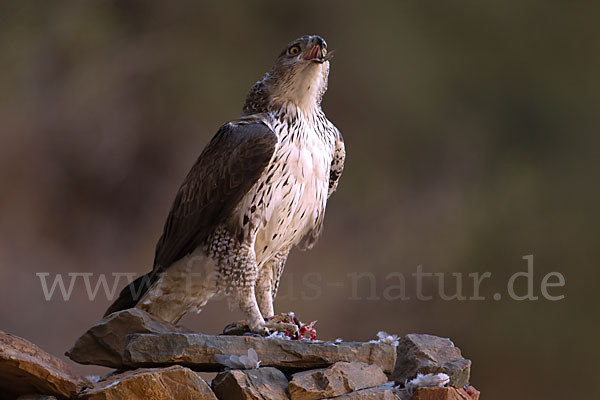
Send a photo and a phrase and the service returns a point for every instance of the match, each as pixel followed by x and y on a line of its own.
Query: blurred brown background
pixel 472 138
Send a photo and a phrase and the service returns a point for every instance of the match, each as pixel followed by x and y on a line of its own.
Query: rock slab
pixel 104 342
pixel 427 354
pixel 198 352
pixel 170 383
pixel 254 384
pixel 339 379
pixel 132 339
pixel 25 369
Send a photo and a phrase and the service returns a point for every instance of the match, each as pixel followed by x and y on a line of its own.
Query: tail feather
pixel 132 293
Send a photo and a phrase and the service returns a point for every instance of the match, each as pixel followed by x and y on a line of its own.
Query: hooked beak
pixel 316 54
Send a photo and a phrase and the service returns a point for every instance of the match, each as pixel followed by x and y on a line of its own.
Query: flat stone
pixel 198 352
pixel 36 397
pixel 170 383
pixel 25 369
pixel 253 384
pixel 340 378
pixel 133 339
pixel 427 354
pixel 444 393
pixel 104 342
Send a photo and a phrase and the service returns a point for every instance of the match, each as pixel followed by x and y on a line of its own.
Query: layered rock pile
pixel 156 360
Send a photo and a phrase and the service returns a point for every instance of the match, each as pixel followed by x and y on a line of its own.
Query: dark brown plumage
pixel 214 187
pixel 207 197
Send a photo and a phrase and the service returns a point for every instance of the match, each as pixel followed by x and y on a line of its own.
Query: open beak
pixel 317 54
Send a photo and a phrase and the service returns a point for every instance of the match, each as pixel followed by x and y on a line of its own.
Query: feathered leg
pixel 266 289
pixel 268 282
pixel 237 273
pixel 247 301
pixel 264 292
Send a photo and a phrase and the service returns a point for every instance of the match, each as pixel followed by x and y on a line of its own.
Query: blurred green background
pixel 472 140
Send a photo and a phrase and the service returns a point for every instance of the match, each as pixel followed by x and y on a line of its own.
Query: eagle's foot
pixel 261 330
pixel 239 328
pixel 285 323
pixel 243 328
pixel 287 328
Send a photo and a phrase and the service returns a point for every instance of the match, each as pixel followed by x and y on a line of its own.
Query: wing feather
pixel 225 171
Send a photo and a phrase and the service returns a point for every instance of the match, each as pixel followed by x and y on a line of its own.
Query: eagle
pixel 259 188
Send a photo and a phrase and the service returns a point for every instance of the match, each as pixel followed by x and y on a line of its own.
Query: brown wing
pixel 227 168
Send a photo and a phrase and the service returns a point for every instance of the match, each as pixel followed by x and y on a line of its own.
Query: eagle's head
pixel 297 80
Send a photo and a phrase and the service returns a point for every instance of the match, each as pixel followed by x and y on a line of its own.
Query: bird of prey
pixel 259 188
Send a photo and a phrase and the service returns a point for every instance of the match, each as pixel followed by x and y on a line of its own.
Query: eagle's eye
pixel 293 50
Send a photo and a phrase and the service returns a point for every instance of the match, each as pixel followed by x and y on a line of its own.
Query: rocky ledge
pixel 116 342
pixel 156 360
